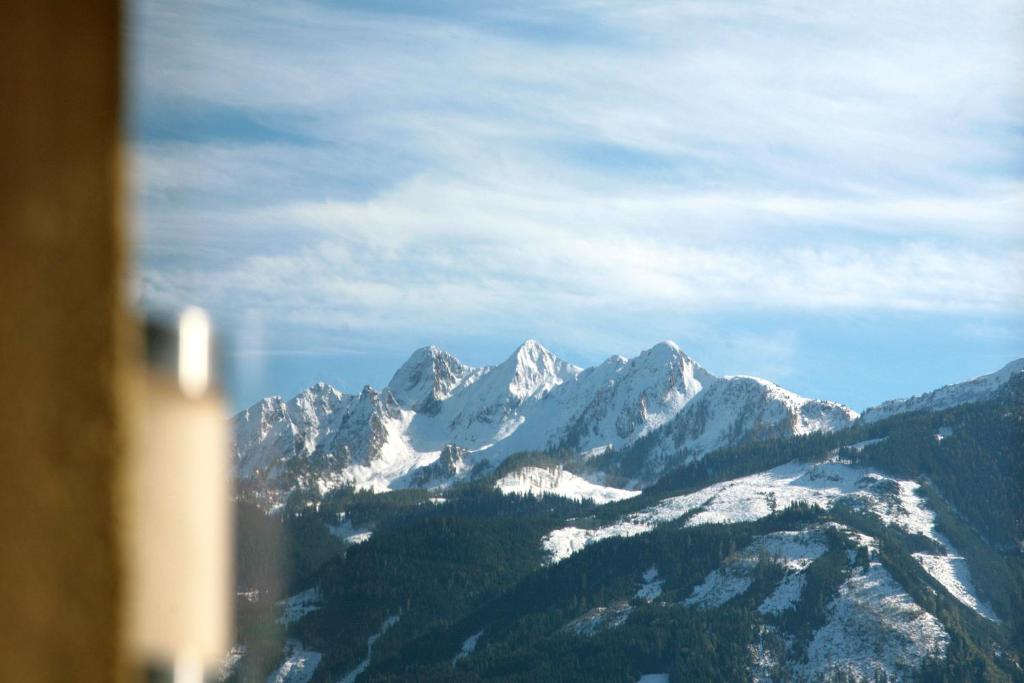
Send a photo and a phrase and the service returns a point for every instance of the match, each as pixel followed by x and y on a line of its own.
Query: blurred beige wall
pixel 61 266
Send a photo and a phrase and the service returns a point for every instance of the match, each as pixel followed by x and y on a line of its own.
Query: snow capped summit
pixel 367 426
pixel 616 402
pixel 533 400
pixel 491 407
pixel 809 415
pixel 320 428
pixel 666 347
pixel 971 391
pixel 737 408
pixel 430 375
pixel 273 429
pixel 534 370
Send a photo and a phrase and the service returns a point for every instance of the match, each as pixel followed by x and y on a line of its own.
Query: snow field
pixel 540 481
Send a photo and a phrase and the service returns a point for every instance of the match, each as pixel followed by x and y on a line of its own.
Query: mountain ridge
pixel 644 414
pixel 532 400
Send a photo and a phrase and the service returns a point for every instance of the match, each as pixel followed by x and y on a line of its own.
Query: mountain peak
pixel 667 354
pixel 533 370
pixel 666 351
pixel 532 350
pixel 320 390
pixel 429 375
pixel 661 351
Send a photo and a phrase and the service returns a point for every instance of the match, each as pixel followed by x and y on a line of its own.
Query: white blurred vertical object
pixel 193 352
pixel 177 490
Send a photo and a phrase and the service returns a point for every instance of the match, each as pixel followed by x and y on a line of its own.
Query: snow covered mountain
pixel 615 402
pixel 439 418
pixel 429 377
pixel 971 391
pixel 272 431
pixel 493 403
pixel 734 409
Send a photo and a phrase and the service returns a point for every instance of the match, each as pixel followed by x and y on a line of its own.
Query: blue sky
pixel 831 197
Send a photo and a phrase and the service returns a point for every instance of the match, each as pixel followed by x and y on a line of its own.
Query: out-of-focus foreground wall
pixel 61 265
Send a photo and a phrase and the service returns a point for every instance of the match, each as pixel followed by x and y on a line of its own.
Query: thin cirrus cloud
pixel 396 171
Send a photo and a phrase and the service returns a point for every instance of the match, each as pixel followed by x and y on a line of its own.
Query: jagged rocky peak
pixel 451 456
pixel 263 409
pixel 381 402
pixel 534 371
pixel 683 374
pixel 264 434
pixel 320 399
pixel 431 374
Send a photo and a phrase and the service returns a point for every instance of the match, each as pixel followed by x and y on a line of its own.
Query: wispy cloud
pixel 388 170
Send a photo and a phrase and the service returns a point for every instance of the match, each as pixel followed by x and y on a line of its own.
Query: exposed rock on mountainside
pixel 403 435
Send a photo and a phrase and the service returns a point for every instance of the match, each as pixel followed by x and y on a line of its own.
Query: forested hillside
pixel 887 550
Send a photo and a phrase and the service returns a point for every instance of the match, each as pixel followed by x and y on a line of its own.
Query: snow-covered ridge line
pixel 758 495
pixel 949 396
pixel 895 502
pixel 435 404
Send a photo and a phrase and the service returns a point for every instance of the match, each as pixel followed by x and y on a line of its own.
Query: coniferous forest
pixel 444 569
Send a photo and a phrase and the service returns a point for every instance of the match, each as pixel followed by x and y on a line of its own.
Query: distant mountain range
pixel 439 421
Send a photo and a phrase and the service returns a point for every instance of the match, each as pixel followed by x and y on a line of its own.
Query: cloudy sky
pixel 829 195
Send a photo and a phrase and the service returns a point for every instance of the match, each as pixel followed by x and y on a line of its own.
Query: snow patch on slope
pixel 750 498
pixel 793 550
pixel 650 589
pixel 600 619
pixel 873 628
pixel 352 675
pixel 861 445
pixel 952 572
pixel 468 647
pixel 720 586
pixel 542 481
pixel 344 531
pixel 299 605
pixel 785 595
pixel 298 666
